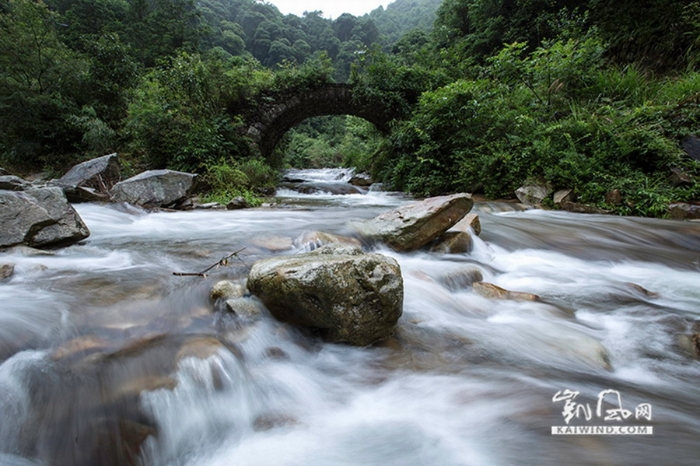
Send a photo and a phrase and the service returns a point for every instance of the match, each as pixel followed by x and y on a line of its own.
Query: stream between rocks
pixel 108 358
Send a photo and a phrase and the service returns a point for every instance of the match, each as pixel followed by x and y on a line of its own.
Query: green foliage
pixel 391 82
pixel 402 16
pixel 40 86
pixel 314 73
pixel 554 115
pixel 246 178
pixel 178 116
pixel 98 138
pixel 331 141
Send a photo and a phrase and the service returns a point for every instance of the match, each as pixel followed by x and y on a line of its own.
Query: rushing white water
pixel 467 380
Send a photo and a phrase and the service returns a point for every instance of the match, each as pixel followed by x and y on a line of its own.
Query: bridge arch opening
pixel 328 141
pixel 270 122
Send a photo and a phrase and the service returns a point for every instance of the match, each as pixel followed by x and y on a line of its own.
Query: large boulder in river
pixel 414 225
pixel 154 188
pixel 344 294
pixel 96 176
pixel 39 217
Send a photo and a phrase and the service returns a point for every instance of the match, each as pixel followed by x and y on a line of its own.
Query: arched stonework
pixel 271 121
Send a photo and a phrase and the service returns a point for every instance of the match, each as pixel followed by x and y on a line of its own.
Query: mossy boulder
pixel 337 290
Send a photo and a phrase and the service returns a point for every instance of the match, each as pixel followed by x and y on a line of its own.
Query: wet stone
pixel 533 194
pixel 414 225
pixel 6 271
pixel 227 290
pixel 453 242
pixel 274 243
pixel 244 307
pixel 563 196
pixel 315 239
pixel 461 279
pixel 491 291
pixel 470 223
pixel 276 353
pixel 199 347
pixel 237 203
pixel 266 422
pixel 79 347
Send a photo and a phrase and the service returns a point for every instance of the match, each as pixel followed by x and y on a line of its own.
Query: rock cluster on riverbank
pixel 39 214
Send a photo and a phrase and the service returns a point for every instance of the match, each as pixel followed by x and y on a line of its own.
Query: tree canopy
pixel 590 95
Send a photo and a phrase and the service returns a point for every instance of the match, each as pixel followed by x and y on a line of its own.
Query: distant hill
pixel 403 16
pixel 247 27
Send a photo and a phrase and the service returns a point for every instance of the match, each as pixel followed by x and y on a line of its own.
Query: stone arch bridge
pixel 268 122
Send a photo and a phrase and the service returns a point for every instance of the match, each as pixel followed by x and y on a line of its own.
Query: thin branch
pixel 222 263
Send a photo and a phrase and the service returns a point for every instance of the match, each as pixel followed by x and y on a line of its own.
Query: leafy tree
pixel 180 114
pixel 40 85
pixel 160 28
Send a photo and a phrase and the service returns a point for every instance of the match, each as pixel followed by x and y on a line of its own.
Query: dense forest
pixel 592 96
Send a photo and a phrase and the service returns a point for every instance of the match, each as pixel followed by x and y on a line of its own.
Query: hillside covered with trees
pixel 592 96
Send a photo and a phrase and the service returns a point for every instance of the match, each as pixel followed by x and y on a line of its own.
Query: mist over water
pixel 466 380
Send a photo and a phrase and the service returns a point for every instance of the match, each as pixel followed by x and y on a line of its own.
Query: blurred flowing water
pixel 103 350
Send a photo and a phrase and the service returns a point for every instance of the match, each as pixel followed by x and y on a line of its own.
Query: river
pixel 101 346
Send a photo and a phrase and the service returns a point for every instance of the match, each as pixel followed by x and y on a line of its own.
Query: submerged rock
pixel 79 347
pixel 346 295
pixel 26 251
pixel 246 307
pixel 200 347
pixel 273 243
pixel 316 239
pixel 39 217
pixel 6 271
pixel 322 187
pixel 461 279
pixel 491 291
pixel 266 422
pixel 412 226
pixel 154 188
